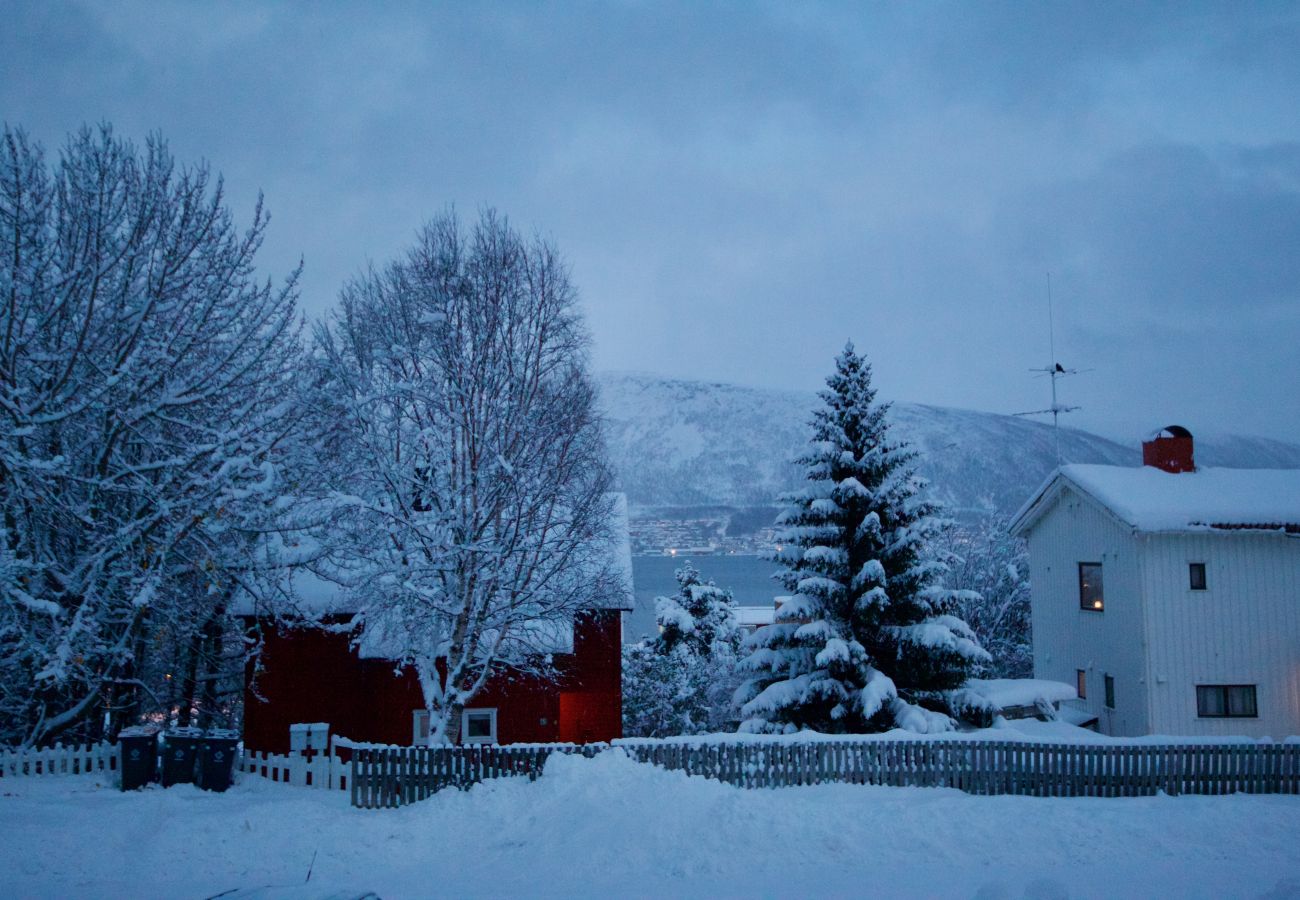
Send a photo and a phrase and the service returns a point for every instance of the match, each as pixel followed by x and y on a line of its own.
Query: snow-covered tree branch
pixel 988 569
pixel 467 488
pixel 143 374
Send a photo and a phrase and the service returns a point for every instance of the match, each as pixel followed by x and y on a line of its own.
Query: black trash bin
pixel 180 748
pixel 138 754
pixel 217 759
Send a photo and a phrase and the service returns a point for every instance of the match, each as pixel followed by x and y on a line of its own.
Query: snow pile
pixel 999 693
pixel 611 827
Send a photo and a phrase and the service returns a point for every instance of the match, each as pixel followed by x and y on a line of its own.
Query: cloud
pixel 1167 227
pixel 739 187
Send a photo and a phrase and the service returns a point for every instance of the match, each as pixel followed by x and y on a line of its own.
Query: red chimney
pixel 1170 450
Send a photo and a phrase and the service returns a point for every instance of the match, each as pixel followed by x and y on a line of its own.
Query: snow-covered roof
pixel 312 595
pixel 1152 500
pixel 383 638
pixel 755 616
pixel 620 553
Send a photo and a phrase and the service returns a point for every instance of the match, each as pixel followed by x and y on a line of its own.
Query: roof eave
pixel 1032 510
pixel 1029 514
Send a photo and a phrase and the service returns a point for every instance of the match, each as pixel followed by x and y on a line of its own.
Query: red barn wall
pixel 303 675
pixel 591 698
pixel 311 675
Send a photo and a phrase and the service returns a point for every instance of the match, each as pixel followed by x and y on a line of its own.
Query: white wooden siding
pixel 1243 629
pixel 1066 638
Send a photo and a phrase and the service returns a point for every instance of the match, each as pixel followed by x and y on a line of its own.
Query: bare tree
pixel 143 371
pixel 989 569
pixel 467 503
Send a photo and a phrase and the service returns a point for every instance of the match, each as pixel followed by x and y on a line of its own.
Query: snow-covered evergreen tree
pixel 681 681
pixel 867 641
pixel 701 615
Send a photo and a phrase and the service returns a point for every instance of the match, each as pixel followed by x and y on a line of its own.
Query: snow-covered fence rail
pixel 393 776
pixel 992 767
pixel 59 760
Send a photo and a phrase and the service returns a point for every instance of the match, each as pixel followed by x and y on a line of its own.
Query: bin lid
pixel 225 734
pixel 139 731
pixel 186 732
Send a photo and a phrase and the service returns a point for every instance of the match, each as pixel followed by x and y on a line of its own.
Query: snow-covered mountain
pixel 691 443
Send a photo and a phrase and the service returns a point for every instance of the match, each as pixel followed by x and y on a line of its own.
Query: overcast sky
pixel 739 188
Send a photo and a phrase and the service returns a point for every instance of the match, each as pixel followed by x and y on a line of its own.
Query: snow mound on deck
pixel 999 693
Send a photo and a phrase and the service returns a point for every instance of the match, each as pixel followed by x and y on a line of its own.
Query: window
pixel 1196 576
pixel 1110 692
pixel 478 726
pixel 1081 683
pixel 1226 701
pixel 1090 597
pixel 420 726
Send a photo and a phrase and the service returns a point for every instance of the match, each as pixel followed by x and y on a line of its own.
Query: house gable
pixel 1070 528
pixel 1159 637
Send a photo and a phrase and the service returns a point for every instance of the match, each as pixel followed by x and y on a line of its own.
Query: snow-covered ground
pixel 611 827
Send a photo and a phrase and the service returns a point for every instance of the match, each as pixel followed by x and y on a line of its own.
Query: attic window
pixel 1196 576
pixel 1090 593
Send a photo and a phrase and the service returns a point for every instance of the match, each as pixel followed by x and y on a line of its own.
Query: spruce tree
pixel 700 616
pixel 681 681
pixel 867 640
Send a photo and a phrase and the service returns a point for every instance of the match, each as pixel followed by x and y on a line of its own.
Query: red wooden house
pixel 311 673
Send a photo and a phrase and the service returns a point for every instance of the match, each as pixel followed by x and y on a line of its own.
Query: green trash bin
pixel 138 756
pixel 180 750
pixel 217 759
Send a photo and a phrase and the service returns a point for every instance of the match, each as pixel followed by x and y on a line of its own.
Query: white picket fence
pixel 308 768
pixel 320 769
pixel 59 760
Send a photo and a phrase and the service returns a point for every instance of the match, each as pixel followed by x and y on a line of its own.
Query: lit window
pixel 1226 701
pixel 478 726
pixel 1196 576
pixel 1110 692
pixel 1090 594
pixel 1081 683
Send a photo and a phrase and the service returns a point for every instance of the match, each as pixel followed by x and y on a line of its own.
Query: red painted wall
pixel 591 700
pixel 302 675
pixel 312 675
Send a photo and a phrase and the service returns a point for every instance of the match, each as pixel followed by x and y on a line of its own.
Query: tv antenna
pixel 1054 371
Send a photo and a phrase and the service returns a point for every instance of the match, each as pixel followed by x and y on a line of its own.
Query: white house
pixel 1170 595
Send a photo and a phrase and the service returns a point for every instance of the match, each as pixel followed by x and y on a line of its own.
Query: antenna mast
pixel 1053 370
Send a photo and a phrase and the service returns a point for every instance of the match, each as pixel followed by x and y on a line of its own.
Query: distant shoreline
pixel 697 555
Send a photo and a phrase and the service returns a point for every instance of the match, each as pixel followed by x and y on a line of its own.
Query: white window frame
pixel 420 726
pixel 491 738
